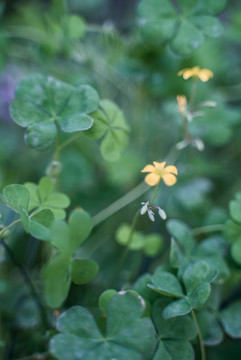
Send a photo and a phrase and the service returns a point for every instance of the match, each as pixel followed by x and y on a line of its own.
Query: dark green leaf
pixel 177 308
pixel 40 102
pixel 231 319
pixel 83 271
pixel 199 295
pixel 182 233
pixel 212 333
pixel 178 328
pixel 166 283
pixel 174 350
pixel 187 39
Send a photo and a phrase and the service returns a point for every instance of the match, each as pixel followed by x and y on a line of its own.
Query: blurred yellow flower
pixel 182 103
pixel 195 72
pixel 158 172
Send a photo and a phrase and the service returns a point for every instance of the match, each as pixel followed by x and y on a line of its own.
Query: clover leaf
pixel 42 104
pixel 175 334
pixel 129 336
pixel 231 319
pixel 65 266
pixel 110 124
pixel 150 244
pixel 43 196
pixel 182 24
pixel 17 197
pixel 196 279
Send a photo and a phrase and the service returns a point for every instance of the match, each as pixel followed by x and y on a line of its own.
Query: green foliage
pixel 150 244
pixel 18 198
pixel 41 103
pixel 43 196
pixel 128 334
pixel 110 124
pixel 65 267
pixel 183 24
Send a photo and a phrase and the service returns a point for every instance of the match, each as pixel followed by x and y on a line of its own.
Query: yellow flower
pixel 182 103
pixel 195 72
pixel 158 172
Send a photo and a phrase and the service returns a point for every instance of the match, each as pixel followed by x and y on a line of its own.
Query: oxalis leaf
pixel 40 102
pixel 43 196
pixel 18 198
pixel 183 24
pixel 110 124
pixel 129 336
pixel 63 267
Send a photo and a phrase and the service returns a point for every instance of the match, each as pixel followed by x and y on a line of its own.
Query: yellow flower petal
pixel 169 179
pixel 171 169
pixel 148 168
pixel 159 166
pixel 205 74
pixel 152 179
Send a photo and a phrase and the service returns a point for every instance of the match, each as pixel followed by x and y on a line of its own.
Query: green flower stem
pixel 208 228
pixel 69 141
pixel 202 348
pixel 119 204
pixel 29 283
pixel 2 232
pixel 126 250
pixel 153 198
pixel 193 93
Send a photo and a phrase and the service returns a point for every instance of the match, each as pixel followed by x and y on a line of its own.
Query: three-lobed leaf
pixel 42 102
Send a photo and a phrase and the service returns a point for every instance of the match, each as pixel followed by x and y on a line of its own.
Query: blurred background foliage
pixel 99 42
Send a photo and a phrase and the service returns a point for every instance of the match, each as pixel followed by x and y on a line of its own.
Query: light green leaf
pixel 80 226
pixel 57 280
pixel 235 208
pixel 105 298
pixel 83 270
pixel 59 237
pixel 76 27
pixel 16 196
pixel 39 224
pixel 116 132
pixel 153 244
pixel 123 234
pixel 236 251
pixel 43 196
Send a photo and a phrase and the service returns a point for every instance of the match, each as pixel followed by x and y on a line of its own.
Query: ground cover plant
pixel 120 227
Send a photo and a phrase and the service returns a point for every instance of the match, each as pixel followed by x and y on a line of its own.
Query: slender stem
pixel 126 250
pixel 8 227
pixel 208 228
pixel 119 204
pixel 202 348
pixel 29 283
pixel 69 141
pixel 193 93
pixel 153 198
